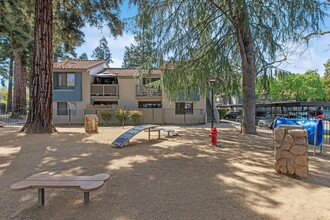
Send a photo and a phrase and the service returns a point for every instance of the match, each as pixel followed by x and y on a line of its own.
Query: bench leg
pixel 41 196
pixel 86 197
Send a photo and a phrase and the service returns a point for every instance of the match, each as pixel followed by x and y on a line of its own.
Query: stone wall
pixel 291 147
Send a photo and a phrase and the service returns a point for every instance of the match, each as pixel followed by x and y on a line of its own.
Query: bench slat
pixel 46 176
pixel 33 184
pixel 44 180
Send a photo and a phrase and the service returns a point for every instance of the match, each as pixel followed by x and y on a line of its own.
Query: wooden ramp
pixel 125 137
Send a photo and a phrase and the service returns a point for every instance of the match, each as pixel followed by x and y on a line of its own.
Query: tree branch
pixel 316 33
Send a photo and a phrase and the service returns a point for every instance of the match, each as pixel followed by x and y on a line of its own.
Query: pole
pixel 212 103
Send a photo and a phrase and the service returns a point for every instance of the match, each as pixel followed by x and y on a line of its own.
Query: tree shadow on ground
pixel 173 178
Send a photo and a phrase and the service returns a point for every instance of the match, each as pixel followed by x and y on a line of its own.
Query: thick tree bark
pixel 10 87
pixel 19 107
pixel 245 41
pixel 40 119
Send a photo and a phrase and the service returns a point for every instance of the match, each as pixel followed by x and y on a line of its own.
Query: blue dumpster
pixel 314 128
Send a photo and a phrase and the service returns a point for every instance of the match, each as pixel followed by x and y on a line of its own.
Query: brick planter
pixel 291 147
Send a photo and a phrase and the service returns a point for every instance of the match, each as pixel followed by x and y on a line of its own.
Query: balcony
pixel 143 91
pixel 104 90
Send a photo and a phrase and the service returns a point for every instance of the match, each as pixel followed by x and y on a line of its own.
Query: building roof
pixel 128 72
pixel 77 64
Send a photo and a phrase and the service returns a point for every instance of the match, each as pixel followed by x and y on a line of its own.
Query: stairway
pixel 209 111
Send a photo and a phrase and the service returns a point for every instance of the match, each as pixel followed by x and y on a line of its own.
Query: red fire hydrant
pixel 214 136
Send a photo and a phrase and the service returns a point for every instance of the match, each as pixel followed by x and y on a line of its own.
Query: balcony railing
pixel 104 90
pixel 147 92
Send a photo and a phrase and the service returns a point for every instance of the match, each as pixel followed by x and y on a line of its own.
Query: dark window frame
pixel 182 108
pixel 63 108
pixel 63 81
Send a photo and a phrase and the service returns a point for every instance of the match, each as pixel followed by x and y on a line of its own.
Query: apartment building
pixel 83 86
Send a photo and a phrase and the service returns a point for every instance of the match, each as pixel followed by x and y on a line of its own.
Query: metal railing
pixel 142 90
pixel 104 90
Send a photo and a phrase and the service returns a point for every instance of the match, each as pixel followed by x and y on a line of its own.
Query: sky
pixel 313 58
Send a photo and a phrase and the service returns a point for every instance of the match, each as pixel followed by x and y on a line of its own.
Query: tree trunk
pixel 20 86
pixel 19 107
pixel 10 87
pixel 40 119
pixel 245 41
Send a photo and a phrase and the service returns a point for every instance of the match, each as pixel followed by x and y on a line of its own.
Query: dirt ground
pixel 177 177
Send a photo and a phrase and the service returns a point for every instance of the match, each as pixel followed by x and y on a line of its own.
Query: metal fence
pixel 7 119
pixel 149 116
pixel 326 130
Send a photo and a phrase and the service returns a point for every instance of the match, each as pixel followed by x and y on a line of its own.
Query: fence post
pixel 153 116
pixel 184 117
pixel 69 117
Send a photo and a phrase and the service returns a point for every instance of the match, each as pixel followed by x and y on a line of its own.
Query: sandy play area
pixel 179 177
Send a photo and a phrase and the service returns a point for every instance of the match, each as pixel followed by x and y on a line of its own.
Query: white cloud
pixel 116 45
pixel 313 58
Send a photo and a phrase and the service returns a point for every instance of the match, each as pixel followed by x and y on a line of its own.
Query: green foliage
pixel 106 115
pixel 141 52
pixel 199 37
pixel 102 52
pixel 3 95
pixel 83 56
pixel 222 112
pixel 121 115
pixel 135 116
pixel 301 87
pixel 326 80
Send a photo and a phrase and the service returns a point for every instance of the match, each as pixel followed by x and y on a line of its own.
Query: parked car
pixel 231 115
pixel 239 118
pixel 266 123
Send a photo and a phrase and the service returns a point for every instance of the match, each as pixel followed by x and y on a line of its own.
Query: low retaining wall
pixel 291 149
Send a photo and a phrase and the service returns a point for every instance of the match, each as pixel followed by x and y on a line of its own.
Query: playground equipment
pixel 126 136
pixel 314 129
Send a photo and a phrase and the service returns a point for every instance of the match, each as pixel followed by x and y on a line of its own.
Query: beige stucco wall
pixel 198 116
pixel 86 91
pixel 127 94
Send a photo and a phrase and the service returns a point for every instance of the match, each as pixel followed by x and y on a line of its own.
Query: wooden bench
pixel 44 180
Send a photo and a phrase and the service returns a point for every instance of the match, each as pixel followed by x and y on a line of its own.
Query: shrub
pixel 121 115
pixel 135 116
pixel 106 116
pixel 222 112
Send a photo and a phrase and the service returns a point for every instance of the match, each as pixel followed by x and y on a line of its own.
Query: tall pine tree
pixel 102 52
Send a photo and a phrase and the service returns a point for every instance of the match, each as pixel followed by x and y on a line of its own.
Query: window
pixel 184 108
pixel 64 108
pixel 65 80
pixel 150 104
